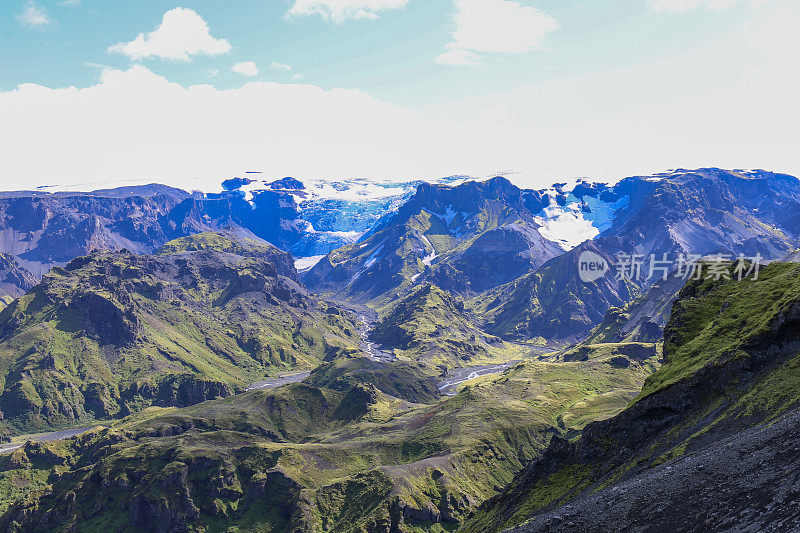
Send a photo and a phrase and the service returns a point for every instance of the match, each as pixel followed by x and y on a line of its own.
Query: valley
pixel 442 367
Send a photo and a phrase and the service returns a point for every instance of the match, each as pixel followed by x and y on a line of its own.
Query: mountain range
pixel 290 355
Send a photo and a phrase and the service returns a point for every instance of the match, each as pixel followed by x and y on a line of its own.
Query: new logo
pixel 592 266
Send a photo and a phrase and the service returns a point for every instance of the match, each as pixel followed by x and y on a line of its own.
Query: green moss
pixel 567 480
pixel 114 333
pixel 265 456
pixel 713 321
pixel 429 327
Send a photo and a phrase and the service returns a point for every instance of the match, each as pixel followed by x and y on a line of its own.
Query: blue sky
pixel 393 88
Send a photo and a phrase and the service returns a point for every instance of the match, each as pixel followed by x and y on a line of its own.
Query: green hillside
pixel 308 458
pixel 430 327
pixel 731 364
pixel 112 333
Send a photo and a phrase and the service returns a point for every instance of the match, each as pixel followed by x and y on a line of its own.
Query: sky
pixel 96 93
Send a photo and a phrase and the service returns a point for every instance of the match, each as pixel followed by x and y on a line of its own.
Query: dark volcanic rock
pixel 552 302
pixel 746 482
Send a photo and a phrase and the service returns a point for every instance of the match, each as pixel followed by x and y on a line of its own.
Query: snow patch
pixel 569 225
pixel 431 256
pixel 566 225
pixel 306 263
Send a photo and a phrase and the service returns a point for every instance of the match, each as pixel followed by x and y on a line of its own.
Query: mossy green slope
pixel 399 379
pixel 114 332
pixel 430 328
pixel 236 242
pixel 731 362
pixel 305 458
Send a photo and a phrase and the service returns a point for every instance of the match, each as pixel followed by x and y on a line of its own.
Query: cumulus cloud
pixel 34 16
pixel 340 10
pixel 245 68
pixel 280 66
pixel 500 26
pixel 182 34
pixel 134 124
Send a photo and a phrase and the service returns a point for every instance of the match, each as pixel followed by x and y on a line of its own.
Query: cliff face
pixel 730 364
pixel 15 279
pixel 46 229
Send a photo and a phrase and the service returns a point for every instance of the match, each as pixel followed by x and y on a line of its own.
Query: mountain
pixel 551 302
pixel 702 212
pixel 401 380
pixel 113 332
pixel 328 213
pixel 641 320
pixel 726 395
pixel 43 229
pixel 429 327
pixel 706 211
pixel 148 311
pixel 469 237
pixel 235 242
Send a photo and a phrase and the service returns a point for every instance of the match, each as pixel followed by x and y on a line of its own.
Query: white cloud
pixel 459 57
pixel 607 123
pixel 500 26
pixel 182 34
pixel 100 66
pixel 340 10
pixel 297 77
pixel 280 66
pixel 70 3
pixel 34 16
pixel 135 124
pixel 245 68
pixel 677 6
